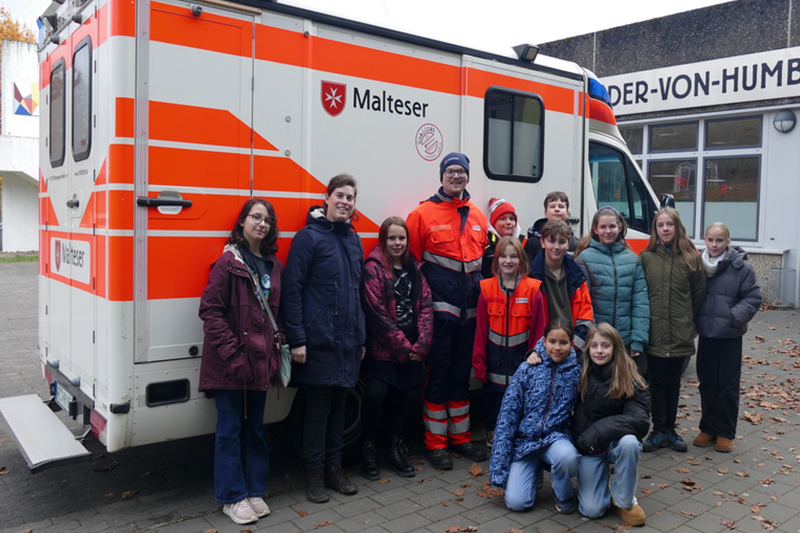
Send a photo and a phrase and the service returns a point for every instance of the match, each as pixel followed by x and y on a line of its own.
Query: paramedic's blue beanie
pixel 453 158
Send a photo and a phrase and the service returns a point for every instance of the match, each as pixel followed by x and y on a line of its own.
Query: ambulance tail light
pixel 98 424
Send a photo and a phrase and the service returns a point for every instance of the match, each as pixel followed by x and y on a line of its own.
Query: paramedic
pixel 325 330
pixel 448 232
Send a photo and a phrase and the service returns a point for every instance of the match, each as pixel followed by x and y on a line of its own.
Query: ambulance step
pixel 41 436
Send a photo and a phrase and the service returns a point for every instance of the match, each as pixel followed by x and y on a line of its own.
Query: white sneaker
pixel 259 506
pixel 240 512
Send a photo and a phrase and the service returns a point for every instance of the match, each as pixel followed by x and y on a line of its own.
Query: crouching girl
pixel 611 419
pixel 533 425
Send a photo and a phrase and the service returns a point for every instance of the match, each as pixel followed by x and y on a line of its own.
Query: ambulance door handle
pixel 146 201
pixel 73 203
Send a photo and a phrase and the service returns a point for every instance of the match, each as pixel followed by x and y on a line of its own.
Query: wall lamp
pixel 526 52
pixel 785 121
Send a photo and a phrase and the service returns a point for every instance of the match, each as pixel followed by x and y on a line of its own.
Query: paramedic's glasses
pixel 258 220
pixel 450 173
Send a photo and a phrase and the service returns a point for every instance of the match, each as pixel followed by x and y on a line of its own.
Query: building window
pixel 513 135
pixel 718 183
pixel 58 82
pixel 673 137
pixel 733 133
pixel 678 178
pixel 634 137
pixel 82 100
pixel 731 195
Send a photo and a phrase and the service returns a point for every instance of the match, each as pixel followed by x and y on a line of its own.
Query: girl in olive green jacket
pixel 676 284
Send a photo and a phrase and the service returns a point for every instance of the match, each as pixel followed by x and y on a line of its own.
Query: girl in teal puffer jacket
pixel 616 281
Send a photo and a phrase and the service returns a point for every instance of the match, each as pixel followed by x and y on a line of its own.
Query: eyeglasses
pixel 258 220
pixel 450 173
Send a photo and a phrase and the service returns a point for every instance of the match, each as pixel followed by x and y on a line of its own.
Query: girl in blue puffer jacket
pixel 616 281
pixel 732 299
pixel 534 424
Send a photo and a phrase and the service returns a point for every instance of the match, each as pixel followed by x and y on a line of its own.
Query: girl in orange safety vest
pixel 511 318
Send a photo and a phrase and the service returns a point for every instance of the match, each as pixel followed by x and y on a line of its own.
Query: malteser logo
pixel 334 97
pixel 71 259
pixel 58 255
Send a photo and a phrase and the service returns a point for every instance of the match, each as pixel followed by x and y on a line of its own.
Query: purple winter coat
pixel 238 351
pixel 386 342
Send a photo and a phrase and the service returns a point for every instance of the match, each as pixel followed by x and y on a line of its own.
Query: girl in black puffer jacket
pixel 611 419
pixel 732 299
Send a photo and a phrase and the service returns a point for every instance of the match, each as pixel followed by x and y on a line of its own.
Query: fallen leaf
pixel 211 531
pixel 755 509
pixel 458 492
pixel 302 512
pixel 129 494
pixel 323 524
pixel 384 480
pixel 647 491
pixel 682 470
pixel 465 485
pixel 475 470
pixel 446 504
pixel 109 495
pixel 743 474
pixel 4 472
pixel 722 470
pixel 766 481
pixel 727 523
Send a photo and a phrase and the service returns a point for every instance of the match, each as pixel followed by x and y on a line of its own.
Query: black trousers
pixel 323 431
pixel 449 363
pixel 380 394
pixel 665 389
pixel 719 369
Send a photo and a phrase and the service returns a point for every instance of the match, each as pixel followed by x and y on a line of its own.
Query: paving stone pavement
pixel 167 487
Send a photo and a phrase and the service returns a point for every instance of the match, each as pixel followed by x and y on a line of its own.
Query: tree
pixel 12 30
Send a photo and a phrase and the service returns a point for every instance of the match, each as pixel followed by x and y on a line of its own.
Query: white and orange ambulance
pixel 160 118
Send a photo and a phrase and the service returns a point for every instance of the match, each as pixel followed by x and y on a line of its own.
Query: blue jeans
pixel 594 496
pixel 241 456
pixel 523 474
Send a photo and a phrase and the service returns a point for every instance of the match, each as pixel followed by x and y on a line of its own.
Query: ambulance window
pixel 513 135
pixel 58 82
pixel 617 183
pixel 82 100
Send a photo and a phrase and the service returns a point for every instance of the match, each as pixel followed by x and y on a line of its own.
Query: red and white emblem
pixel 334 97
pixel 58 255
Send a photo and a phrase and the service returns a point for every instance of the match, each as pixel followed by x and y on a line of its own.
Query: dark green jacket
pixel 676 294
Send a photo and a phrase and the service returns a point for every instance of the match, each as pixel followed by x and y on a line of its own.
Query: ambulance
pixel 159 118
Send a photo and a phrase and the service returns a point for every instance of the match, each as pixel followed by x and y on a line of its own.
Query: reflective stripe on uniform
pixel 437 427
pixel 452 264
pixel 472 266
pixel 472 313
pixel 513 340
pixel 499 379
pixel 445 307
pixel 438 414
pixel 458 411
pixel 457 427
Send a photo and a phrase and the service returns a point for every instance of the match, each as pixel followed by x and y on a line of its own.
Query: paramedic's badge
pixel 334 97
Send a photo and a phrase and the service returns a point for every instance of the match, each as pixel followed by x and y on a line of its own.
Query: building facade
pixel 19 146
pixel 708 101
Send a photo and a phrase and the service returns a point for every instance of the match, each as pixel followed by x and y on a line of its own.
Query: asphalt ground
pixel 167 487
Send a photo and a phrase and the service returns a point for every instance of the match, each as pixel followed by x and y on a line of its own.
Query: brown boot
pixel 724 445
pixel 334 479
pixel 315 490
pixel 632 517
pixel 704 440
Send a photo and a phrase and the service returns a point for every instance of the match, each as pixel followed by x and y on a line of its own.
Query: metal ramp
pixel 41 436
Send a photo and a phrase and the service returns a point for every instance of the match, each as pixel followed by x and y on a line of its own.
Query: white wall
pixel 20 68
pixel 781 191
pixel 19 148
pixel 20 214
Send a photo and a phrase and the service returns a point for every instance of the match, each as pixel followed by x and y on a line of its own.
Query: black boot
pixel 369 462
pixel 335 479
pixel 395 458
pixel 315 490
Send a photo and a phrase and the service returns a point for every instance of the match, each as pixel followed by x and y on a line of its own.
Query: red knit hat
pixel 498 208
